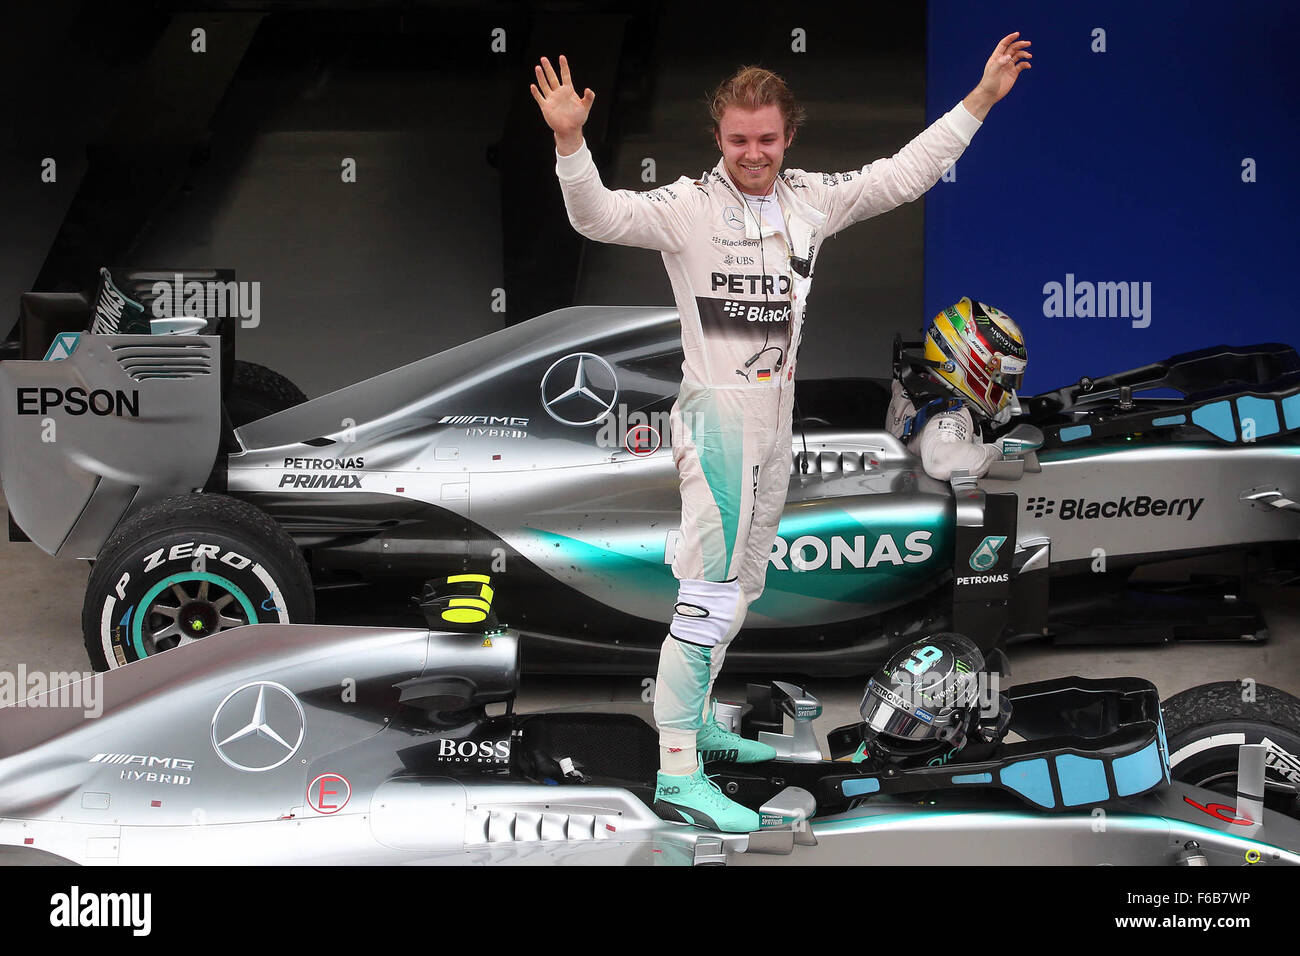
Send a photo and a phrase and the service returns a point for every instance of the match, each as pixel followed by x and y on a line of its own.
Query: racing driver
pixel 978 360
pixel 740 244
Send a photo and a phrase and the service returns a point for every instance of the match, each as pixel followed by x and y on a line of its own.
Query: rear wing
pixel 111 423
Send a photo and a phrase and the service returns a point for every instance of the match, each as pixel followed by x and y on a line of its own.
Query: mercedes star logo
pixel 733 217
pixel 579 389
pixel 258 726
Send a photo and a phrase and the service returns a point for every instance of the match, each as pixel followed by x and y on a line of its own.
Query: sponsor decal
pixel 319 481
pixel 474 751
pixel 888 696
pixel 1126 506
pixel 1039 506
pixel 733 217
pixel 188 550
pixel 489 426
pixel 258 727
pixel 119 403
pixel 925 715
pixel 154 777
pixel 951 424
pixel 579 389
pixel 983 579
pixel 153 768
pixel 725 241
pixel 329 793
pixel 115 314
pixel 64 344
pixel 738 284
pixel 1221 811
pixel 324 464
pixel 986 554
pixel 742 323
pixel 809 552
pixel 1278 759
pixel 642 441
pixel 708 756
pixel 144 760
pixel 756 311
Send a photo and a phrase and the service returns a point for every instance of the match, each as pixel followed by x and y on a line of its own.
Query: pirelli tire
pixel 257 391
pixel 1206 725
pixel 186 569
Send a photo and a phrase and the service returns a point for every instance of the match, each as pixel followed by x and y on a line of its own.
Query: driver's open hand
pixel 1009 60
pixel 562 109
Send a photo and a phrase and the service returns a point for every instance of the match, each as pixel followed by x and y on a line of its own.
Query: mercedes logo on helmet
pixel 579 389
pixel 258 726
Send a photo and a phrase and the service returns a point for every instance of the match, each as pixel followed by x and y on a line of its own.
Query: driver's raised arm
pixel 655 219
pixel 888 183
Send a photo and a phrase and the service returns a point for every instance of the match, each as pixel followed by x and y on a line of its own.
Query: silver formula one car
pixel 316 744
pixel 540 453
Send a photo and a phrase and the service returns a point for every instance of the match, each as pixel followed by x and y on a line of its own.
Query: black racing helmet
pixel 922 705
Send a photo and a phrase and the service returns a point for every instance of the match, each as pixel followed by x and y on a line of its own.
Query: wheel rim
pixel 1225 782
pixel 184 608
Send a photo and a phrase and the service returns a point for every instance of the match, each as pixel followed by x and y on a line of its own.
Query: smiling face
pixel 753 143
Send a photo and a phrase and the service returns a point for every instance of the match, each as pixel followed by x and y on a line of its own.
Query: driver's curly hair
pixel 751 88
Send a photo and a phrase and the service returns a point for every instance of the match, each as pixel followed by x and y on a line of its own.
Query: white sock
pixel 677 762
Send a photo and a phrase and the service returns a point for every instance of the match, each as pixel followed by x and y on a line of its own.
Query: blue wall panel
pixel 1123 166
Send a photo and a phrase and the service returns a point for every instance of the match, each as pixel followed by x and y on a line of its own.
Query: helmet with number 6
pixel 979 352
pixel 925 701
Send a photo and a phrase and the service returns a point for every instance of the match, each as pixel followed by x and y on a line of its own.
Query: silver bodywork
pixel 69 474
pixel 475 459
pixel 253 725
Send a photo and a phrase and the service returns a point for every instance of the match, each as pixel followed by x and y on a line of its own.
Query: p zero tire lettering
pixel 189 568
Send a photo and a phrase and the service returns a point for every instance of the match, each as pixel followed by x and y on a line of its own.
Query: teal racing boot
pixel 695 799
pixel 714 742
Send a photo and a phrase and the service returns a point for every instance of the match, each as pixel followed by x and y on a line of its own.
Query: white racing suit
pixel 740 289
pixel 947 441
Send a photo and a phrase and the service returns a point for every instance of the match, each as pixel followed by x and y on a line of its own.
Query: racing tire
pixel 186 569
pixel 256 391
pixel 1206 725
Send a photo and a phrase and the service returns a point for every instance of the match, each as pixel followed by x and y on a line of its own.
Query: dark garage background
pixel 231 159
